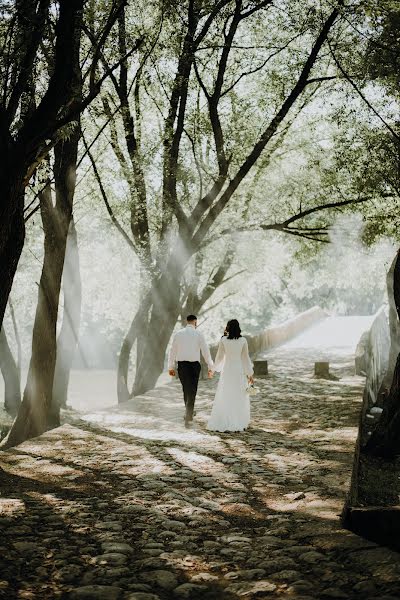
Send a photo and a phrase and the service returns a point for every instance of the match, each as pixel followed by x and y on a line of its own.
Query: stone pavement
pixel 127 504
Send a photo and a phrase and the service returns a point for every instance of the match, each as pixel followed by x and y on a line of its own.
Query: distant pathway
pixel 128 504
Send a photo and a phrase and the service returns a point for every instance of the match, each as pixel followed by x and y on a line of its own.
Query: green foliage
pixel 383 53
pixel 330 147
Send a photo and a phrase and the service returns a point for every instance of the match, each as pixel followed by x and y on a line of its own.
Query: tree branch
pixel 260 67
pixel 43 122
pixel 306 236
pixel 284 226
pixel 365 100
pixel 321 79
pixel 105 199
pixel 257 7
pixel 204 30
pixel 26 65
pixel 314 209
pixel 112 19
pixel 203 312
pixel 244 169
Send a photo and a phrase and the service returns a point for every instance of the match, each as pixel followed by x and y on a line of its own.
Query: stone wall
pixel 277 335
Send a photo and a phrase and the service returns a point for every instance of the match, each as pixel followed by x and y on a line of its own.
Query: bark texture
pixel 21 153
pixel 38 411
pixel 67 340
pixel 10 373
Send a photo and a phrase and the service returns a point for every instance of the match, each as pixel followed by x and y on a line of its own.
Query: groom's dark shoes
pixel 188 420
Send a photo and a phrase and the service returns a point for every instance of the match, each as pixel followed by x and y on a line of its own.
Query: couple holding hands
pixel 231 407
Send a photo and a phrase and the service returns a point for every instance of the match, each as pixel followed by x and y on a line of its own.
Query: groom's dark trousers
pixel 189 373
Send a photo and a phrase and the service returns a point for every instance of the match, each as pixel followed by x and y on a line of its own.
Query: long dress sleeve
pixel 246 362
pixel 205 350
pixel 220 358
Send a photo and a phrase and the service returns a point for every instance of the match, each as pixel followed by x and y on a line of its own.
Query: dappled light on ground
pixel 130 499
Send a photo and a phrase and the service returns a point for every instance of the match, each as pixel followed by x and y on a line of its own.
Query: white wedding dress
pixel 231 408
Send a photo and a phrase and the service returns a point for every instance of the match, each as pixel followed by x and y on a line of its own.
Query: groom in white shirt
pixel 185 350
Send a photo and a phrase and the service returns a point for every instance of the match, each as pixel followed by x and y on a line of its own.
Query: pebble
pixel 111 558
pixel 27 548
pixel 189 590
pixel 332 592
pixel 163 579
pixel 286 575
pixel 300 586
pixel 312 557
pixel 117 547
pixel 249 589
pixel 245 574
pixel 365 587
pixel 96 592
pixel 203 577
pixel 295 496
pixel 274 565
pixel 68 574
pixel 139 587
pixel 110 526
pixel 142 596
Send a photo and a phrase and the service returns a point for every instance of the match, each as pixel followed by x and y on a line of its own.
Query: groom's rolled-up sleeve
pixel 206 352
pixel 173 353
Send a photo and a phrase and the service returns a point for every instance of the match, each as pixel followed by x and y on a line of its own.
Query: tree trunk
pixel 385 439
pixel 12 230
pixel 68 337
pixel 153 324
pixel 9 371
pixel 136 332
pixel 38 412
pixel 164 315
pixel 17 339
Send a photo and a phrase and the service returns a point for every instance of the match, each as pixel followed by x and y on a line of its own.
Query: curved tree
pixel 192 78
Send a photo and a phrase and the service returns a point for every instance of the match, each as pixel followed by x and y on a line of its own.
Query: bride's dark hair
pixel 233 329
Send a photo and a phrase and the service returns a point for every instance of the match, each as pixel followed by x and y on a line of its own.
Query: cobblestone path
pixel 127 504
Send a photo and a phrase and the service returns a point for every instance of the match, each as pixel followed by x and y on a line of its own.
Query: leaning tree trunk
pixel 136 331
pixel 17 339
pixel 9 371
pixel 385 439
pixel 69 333
pixel 143 330
pixel 153 323
pixel 164 315
pixel 38 412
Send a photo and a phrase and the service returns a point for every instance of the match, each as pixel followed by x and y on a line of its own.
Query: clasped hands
pixel 250 378
pixel 172 373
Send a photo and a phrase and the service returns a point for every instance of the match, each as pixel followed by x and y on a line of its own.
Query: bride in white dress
pixel 231 408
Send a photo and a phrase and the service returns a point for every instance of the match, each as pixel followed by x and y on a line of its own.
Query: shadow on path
pixel 129 500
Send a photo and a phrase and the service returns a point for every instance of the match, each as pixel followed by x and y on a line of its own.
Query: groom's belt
pixel 192 362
